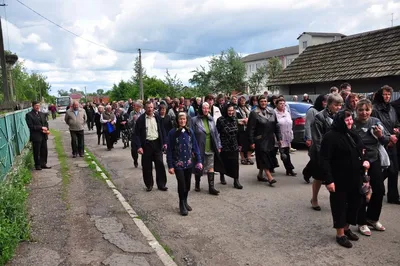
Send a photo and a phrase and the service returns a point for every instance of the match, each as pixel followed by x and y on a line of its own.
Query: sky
pixel 178 35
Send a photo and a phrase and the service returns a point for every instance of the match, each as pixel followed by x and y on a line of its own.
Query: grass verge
pixel 14 224
pixel 165 247
pixel 62 157
pixel 89 158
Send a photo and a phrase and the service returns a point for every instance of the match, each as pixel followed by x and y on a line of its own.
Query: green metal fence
pixel 14 135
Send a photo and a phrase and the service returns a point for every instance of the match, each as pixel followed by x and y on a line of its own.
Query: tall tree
pixel 136 69
pixel 62 93
pixel 273 70
pixel 174 84
pixel 201 79
pixel 256 80
pixel 100 92
pixel 123 91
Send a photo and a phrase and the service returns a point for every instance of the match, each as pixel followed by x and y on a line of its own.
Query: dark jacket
pixel 262 130
pixel 181 146
pixel 35 123
pixel 319 128
pixel 240 114
pixel 228 132
pixel 341 157
pixel 384 112
pixel 140 131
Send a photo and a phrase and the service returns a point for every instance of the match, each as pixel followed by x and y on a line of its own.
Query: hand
pixel 112 122
pixel 44 129
pixel 309 143
pixel 245 120
pixel 171 171
pixel 123 122
pixel 393 139
pixel 331 187
pixel 219 150
pixel 240 148
pixel 378 132
pixel 366 165
pixel 396 130
pixel 280 143
pixel 140 151
pixel 165 147
pixel 253 146
pixel 200 166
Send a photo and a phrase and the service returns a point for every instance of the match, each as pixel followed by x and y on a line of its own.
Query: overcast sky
pixel 192 29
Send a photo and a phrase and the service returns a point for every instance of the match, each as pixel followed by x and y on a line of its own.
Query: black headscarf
pixel 318 102
pixel 201 109
pixel 339 125
pixel 378 100
pixel 225 112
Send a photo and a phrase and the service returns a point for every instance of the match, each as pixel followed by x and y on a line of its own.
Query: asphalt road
pixel 259 225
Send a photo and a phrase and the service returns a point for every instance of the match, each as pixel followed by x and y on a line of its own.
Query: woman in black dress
pixel 262 129
pixel 343 161
pixel 227 127
pixel 242 114
pixel 99 125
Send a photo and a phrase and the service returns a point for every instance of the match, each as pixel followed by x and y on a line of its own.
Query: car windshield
pixel 63 101
pixel 300 108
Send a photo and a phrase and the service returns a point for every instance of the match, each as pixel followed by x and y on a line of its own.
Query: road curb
pixel 151 240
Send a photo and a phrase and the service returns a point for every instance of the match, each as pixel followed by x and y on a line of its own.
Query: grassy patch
pixel 62 157
pixel 89 158
pixel 14 225
pixel 165 247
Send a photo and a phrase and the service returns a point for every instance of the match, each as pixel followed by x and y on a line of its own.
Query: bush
pixel 14 225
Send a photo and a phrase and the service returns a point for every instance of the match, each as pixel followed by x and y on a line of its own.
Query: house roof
pixel 369 55
pixel 322 34
pixel 272 53
pixel 75 96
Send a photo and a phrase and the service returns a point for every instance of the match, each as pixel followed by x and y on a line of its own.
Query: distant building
pixel 367 61
pixel 307 39
pixel 76 96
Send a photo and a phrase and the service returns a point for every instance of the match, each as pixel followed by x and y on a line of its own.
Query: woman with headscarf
pixel 173 112
pixel 228 132
pixel 319 105
pixel 343 162
pixel 99 126
pixel 263 129
pixel 209 143
pixel 181 145
pixel 242 114
pixel 384 111
pixel 253 102
pixel 350 104
pixel 108 120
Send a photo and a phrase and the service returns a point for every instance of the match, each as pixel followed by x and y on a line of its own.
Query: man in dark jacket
pixel 39 129
pixel 387 114
pixel 150 140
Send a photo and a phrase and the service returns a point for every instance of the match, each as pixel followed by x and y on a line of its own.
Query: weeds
pixel 62 157
pixel 89 158
pixel 14 225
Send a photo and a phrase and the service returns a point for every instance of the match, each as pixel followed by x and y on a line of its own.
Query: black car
pixel 298 112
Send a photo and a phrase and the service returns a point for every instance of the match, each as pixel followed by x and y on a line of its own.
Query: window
pixel 258 65
pixel 304 44
pixel 289 61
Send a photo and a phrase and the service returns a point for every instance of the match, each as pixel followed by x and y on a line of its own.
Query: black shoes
pixel 73 155
pixel 211 188
pixel 394 201
pixel 271 182
pixel 182 208
pixel 45 167
pixel 315 208
pixel 290 173
pixel 261 178
pixel 197 183
pixel 80 154
pixel 163 188
pixel 344 241
pixel 38 168
pixel 135 163
pixel 148 189
pixel 350 235
pixel 236 183
pixel 222 178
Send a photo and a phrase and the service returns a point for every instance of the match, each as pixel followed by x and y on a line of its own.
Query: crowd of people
pixel 351 140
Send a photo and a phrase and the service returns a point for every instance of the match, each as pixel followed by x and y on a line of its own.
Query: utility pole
pixel 140 76
pixel 85 95
pixel 3 68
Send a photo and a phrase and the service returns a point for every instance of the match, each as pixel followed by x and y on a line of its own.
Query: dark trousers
pixel 287 162
pixel 77 142
pixel 392 175
pixel 152 153
pixel 184 178
pixel 134 153
pixel 372 210
pixel 345 207
pixel 53 115
pixel 90 122
pixel 40 152
pixel 110 138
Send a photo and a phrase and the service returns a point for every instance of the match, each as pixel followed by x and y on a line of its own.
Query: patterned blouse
pixel 228 133
pixel 181 146
pixel 286 125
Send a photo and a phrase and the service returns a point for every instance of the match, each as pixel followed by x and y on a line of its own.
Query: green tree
pixel 174 84
pixel 273 70
pixel 123 91
pixel 100 92
pixel 62 93
pixel 256 80
pixel 201 80
pixel 136 69
pixel 154 87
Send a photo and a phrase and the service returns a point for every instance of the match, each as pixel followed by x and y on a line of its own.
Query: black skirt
pixel 243 141
pixel 230 159
pixel 264 160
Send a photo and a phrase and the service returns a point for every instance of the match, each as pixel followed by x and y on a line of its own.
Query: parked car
pixel 298 111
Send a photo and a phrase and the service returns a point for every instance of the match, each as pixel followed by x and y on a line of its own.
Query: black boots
pixel 211 188
pixel 290 173
pixel 222 178
pixel 186 203
pixel 98 139
pixel 197 183
pixel 183 205
pixel 236 183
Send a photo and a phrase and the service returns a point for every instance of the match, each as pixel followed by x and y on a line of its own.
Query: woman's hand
pixel 253 146
pixel 308 143
pixel 199 166
pixel 331 187
pixel 366 165
pixel 171 171
pixel 378 132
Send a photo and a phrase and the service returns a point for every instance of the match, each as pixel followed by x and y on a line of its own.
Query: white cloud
pixel 32 39
pixel 44 46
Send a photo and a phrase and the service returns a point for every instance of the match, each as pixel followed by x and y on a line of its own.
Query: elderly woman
pixel 373 135
pixel 262 130
pixel 108 120
pixel 343 163
pixel 181 145
pixel 350 103
pixel 242 114
pixel 166 119
pixel 209 143
pixel 384 111
pixel 319 105
pixel 228 131
pixel 285 124
pixel 173 112
pixel 319 128
pixel 99 125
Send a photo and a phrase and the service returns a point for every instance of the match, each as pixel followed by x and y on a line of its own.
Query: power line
pixel 101 45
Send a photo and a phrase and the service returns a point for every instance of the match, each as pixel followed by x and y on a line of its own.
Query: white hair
pixel 206 104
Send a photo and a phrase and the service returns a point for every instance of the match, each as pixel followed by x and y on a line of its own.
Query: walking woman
pixel 242 114
pixel 262 130
pixel 209 143
pixel 228 132
pixel 181 145
pixel 319 105
pixel 108 120
pixel 343 162
pixel 285 123
pixel 319 128
pixel 373 135
pixel 99 125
